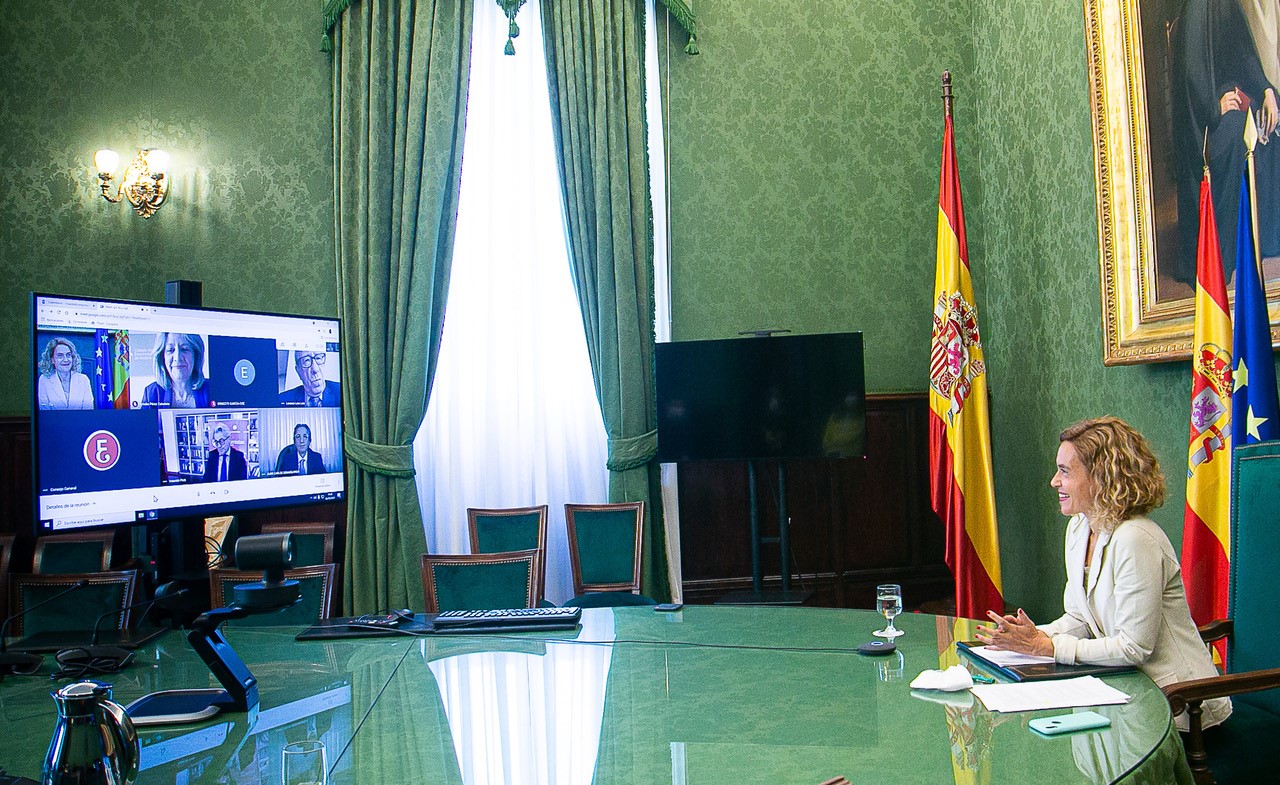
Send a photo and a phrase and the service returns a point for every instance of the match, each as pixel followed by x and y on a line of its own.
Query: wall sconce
pixel 145 183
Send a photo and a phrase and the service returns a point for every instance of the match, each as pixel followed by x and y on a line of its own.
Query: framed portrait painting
pixel 1170 83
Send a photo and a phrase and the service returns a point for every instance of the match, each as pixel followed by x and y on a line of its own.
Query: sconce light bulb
pixel 158 161
pixel 106 161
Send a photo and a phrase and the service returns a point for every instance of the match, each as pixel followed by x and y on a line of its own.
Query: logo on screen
pixel 101 450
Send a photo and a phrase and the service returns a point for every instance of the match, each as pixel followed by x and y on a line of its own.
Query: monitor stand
pixel 239 688
pixel 757 595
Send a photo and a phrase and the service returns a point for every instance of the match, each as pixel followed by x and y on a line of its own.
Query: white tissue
pixel 952 679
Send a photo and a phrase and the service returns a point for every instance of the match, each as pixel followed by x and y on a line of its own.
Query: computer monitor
pixel 144 412
pixel 786 396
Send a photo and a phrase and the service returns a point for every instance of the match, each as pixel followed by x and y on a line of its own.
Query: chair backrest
pixel 6 558
pixel 511 529
pixel 479 581
pixel 78 610
pixel 604 546
pixel 315 583
pixel 1255 558
pixel 79 552
pixel 312 542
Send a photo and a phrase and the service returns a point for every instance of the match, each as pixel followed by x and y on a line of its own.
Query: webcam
pixel 273 554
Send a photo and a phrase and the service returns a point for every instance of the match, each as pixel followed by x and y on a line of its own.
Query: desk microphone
pixel 16 661
pixel 93 651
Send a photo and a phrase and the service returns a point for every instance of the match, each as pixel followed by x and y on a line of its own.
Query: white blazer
pixel 1133 610
pixel 51 395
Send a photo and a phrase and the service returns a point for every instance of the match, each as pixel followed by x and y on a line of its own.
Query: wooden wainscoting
pixel 854 522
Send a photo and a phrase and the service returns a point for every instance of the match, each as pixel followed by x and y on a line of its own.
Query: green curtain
pixel 595 69
pixel 400 71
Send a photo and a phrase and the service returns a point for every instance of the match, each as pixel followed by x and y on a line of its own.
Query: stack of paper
pixel 1061 694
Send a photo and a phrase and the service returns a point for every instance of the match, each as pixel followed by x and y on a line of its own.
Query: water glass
pixel 889 603
pixel 304 763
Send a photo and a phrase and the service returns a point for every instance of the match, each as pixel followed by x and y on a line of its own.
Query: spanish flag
pixel 959 431
pixel 1206 523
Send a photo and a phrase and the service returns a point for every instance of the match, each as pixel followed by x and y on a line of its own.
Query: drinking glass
pixel 304 764
pixel 889 603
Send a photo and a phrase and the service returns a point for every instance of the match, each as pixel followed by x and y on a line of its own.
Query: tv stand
pixel 757 595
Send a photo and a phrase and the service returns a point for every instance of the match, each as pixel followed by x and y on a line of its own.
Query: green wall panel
pixel 237 92
pixel 804 148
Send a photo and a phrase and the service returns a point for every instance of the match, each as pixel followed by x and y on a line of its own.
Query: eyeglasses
pixel 221 441
pixel 306 360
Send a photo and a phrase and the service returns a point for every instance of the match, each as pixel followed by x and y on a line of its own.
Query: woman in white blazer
pixel 1124 600
pixel 61 385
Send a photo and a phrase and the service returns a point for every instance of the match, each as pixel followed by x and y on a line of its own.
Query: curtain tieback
pixel 393 460
pixel 632 452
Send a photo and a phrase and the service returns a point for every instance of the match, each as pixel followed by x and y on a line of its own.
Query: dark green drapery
pixel 595 70
pixel 332 11
pixel 400 71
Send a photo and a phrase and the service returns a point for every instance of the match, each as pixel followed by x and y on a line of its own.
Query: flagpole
pixel 946 93
pixel 1250 142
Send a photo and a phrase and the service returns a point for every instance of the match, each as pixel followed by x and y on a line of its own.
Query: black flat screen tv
pixel 790 396
pixel 145 412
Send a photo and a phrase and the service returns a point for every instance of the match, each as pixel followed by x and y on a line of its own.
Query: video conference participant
pixel 179 365
pixel 61 384
pixel 299 458
pixel 224 462
pixel 315 389
pixel 1124 601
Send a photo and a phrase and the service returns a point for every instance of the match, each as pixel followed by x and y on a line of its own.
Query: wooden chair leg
pixel 1197 758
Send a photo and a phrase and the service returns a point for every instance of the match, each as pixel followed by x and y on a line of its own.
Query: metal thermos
pixel 94 742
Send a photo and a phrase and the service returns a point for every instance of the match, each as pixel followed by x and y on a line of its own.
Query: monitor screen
pixel 145 412
pixel 789 396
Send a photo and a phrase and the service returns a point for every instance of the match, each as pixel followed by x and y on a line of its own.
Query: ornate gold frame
pixel 1136 327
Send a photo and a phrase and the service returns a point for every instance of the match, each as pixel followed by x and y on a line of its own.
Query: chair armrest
pixel 1195 690
pixel 1216 630
pixel 1188 695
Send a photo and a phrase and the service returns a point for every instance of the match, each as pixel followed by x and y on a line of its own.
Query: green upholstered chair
pixel 604 546
pixel 480 581
pixel 511 529
pixel 1239 750
pixel 312 542
pixel 76 611
pixel 79 552
pixel 315 583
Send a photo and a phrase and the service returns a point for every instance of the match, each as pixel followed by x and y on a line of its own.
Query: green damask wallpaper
pixel 804 145
pixel 1042 309
pixel 237 92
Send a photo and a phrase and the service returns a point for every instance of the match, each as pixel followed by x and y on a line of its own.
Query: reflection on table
pixel 707 694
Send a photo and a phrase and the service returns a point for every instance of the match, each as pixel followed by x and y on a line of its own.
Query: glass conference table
pixel 710 694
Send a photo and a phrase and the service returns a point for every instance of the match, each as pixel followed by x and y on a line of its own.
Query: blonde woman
pixel 61 384
pixel 1124 600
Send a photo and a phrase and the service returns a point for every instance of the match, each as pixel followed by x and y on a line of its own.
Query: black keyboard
pixel 530 618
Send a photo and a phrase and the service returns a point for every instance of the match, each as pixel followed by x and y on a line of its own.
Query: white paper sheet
pixel 1053 694
pixel 1006 657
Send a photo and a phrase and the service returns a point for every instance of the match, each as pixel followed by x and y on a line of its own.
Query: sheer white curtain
pixel 655 110
pixel 513 418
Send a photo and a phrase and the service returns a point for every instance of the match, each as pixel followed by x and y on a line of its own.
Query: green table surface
pixel 710 694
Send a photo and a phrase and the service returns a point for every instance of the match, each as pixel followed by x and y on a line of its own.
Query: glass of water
pixel 889 603
pixel 304 763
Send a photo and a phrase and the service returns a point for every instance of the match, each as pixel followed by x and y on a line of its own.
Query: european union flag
pixel 101 371
pixel 1255 409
